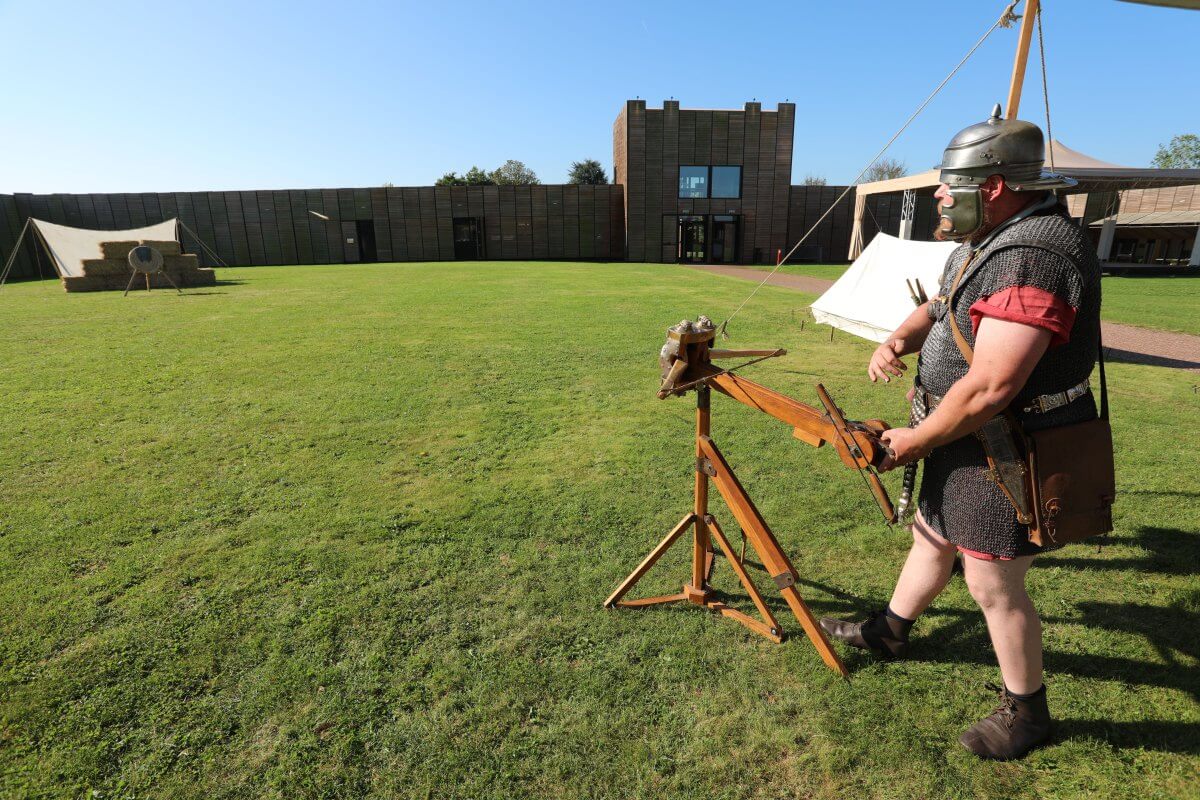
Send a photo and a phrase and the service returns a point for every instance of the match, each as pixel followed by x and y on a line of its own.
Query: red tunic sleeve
pixel 1029 305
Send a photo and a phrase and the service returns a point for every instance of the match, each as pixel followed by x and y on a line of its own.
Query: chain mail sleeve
pixel 1032 287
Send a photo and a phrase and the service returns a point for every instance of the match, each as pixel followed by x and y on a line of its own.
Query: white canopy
pixel 70 247
pixel 871 299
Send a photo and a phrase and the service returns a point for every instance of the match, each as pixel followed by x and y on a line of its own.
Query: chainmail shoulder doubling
pixel 958 498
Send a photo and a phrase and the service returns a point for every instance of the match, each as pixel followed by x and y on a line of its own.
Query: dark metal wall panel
pixel 222 229
pixel 318 230
pixel 412 223
pixel 301 226
pixel 254 237
pixel 281 205
pixel 445 223
pixel 554 222
pixel 540 208
pixel 268 220
pixel 493 239
pixel 396 217
pixel 806 205
pixel 429 239
pixel 587 221
pixel 383 230
pixel 522 199
pixel 87 211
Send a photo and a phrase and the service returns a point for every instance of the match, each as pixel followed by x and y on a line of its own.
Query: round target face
pixel 144 258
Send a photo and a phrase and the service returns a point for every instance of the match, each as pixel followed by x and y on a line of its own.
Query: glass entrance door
pixel 693 241
pixel 724 239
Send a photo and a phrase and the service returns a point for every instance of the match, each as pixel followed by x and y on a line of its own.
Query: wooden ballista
pixel 687 364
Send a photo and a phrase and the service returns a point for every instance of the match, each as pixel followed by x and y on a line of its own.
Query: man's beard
pixel 940 234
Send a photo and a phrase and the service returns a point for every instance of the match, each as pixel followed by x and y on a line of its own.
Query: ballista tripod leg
pixel 645 566
pixel 772 627
pixel 768 549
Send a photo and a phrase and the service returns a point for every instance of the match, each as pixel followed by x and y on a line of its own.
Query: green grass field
pixel 1167 303
pixel 344 532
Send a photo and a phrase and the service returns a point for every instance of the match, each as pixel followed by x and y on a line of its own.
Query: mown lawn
pixel 1170 303
pixel 344 532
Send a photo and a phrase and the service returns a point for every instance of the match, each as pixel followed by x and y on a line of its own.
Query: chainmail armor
pixel 958 499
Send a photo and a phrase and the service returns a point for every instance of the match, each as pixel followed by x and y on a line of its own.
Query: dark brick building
pixel 689 185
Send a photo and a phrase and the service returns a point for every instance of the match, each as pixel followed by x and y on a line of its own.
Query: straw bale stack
pixel 112 272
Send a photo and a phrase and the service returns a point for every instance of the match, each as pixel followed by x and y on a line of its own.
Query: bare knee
pixel 994 590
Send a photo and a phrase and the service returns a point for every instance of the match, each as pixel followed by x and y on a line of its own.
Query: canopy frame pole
pixel 12 257
pixel 1022 58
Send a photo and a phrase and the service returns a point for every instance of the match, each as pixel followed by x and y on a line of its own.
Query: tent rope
pixel 1045 86
pixel 1006 19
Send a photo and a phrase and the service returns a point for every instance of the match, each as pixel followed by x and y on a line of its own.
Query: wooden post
pixel 1028 21
pixel 700 539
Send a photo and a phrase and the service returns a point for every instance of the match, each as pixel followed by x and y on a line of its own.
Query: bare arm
pixel 908 338
pixel 1005 355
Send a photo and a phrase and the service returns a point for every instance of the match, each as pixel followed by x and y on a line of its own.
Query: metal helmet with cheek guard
pixel 1012 148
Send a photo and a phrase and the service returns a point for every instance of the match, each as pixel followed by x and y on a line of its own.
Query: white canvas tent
pixel 871 299
pixel 69 247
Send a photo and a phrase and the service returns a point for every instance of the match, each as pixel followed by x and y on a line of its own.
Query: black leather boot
pixel 1013 729
pixel 879 633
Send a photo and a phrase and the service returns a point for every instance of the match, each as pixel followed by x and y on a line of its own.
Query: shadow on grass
pixel 1131 357
pixel 1171 552
pixel 1168 737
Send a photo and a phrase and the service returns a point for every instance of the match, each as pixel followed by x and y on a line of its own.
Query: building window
pixel 693 182
pixel 704 182
pixel 726 182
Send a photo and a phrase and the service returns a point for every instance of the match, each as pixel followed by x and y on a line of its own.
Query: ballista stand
pixel 687 364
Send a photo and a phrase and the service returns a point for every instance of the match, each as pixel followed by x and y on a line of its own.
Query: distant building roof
pixel 1154 218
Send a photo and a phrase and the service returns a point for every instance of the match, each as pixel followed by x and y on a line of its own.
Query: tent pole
pixel 1018 73
pixel 200 242
pixel 12 257
pixel 46 246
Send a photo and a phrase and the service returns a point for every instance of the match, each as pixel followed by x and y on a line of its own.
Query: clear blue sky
pixel 128 96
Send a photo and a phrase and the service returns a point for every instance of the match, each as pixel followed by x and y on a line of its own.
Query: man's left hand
pixel 906 446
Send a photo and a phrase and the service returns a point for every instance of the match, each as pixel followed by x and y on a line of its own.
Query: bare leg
pixel 926 571
pixel 999 589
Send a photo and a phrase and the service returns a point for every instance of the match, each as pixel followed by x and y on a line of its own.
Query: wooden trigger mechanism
pixel 686 361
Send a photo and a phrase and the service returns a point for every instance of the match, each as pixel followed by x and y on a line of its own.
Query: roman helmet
pixel 1012 148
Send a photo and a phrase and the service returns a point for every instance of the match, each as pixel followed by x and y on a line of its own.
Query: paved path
pixel 1121 342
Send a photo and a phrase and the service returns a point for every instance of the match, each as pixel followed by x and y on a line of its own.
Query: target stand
pixel 145 260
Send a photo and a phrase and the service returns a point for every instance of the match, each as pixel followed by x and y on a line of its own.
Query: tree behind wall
pixel 587 171
pixel 472 177
pixel 514 173
pixel 884 170
pixel 1183 152
pixel 815 180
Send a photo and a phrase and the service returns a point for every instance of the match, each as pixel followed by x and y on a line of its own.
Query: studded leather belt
pixel 1038 405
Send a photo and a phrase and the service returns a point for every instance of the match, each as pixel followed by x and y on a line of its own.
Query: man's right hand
pixel 885 361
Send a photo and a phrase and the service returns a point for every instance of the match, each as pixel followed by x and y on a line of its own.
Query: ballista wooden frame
pixel 687 365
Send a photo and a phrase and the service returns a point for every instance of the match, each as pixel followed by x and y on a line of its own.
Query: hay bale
pixel 95 267
pixel 117 249
pixel 166 248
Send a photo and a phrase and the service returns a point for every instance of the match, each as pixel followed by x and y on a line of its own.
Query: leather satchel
pixel 1070 475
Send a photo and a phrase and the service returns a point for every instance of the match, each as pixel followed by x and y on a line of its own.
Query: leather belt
pixel 1038 405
